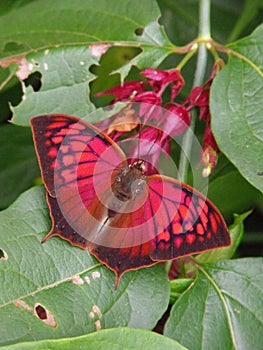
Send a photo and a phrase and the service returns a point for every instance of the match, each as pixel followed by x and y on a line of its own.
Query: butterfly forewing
pixel 77 163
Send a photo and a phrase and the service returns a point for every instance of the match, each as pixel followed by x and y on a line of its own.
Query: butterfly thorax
pixel 129 182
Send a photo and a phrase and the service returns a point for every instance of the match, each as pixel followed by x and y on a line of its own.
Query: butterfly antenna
pixel 103 224
pixel 156 138
pixel 139 151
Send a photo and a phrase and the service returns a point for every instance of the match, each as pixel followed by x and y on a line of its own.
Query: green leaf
pixel 108 339
pixel 236 232
pixel 117 339
pixel 222 309
pixel 83 22
pixel 75 292
pixel 65 78
pixel 130 23
pixel 17 156
pixel 178 286
pixel 236 107
pixel 231 184
pixel 156 49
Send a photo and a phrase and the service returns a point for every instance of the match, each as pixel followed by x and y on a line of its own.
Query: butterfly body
pixel 129 181
pixel 99 202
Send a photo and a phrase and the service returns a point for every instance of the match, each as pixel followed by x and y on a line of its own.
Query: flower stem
pixel 204 32
pixel 187 57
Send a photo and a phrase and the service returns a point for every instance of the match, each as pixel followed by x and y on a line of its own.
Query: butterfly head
pixel 138 165
pixel 130 181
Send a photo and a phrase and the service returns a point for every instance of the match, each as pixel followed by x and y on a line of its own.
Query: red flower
pixel 170 121
pixel 149 100
pixel 159 79
pixel 199 97
pixel 125 91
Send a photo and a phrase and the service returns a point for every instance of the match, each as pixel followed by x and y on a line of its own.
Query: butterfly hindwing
pixel 195 224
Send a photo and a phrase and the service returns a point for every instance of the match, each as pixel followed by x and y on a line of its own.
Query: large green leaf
pixel 60 50
pixel 75 292
pixel 237 109
pixel 29 26
pixel 222 309
pixel 65 77
pixel 108 339
pixel 123 23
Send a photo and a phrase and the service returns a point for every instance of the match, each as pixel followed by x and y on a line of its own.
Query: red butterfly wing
pixel 195 224
pixel 166 220
pixel 175 220
pixel 74 156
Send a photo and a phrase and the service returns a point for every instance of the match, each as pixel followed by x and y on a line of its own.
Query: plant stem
pixel 204 32
pixel 187 58
pixel 6 81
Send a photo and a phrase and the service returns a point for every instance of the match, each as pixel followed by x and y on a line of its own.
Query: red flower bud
pixel 209 151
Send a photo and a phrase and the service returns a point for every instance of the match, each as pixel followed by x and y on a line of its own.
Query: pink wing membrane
pixel 195 224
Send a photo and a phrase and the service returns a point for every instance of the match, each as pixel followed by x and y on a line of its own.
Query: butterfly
pixel 100 202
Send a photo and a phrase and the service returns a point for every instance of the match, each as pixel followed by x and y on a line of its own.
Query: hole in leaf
pixel 3 255
pixel 41 312
pixel 34 80
pixel 44 315
pixel 139 31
